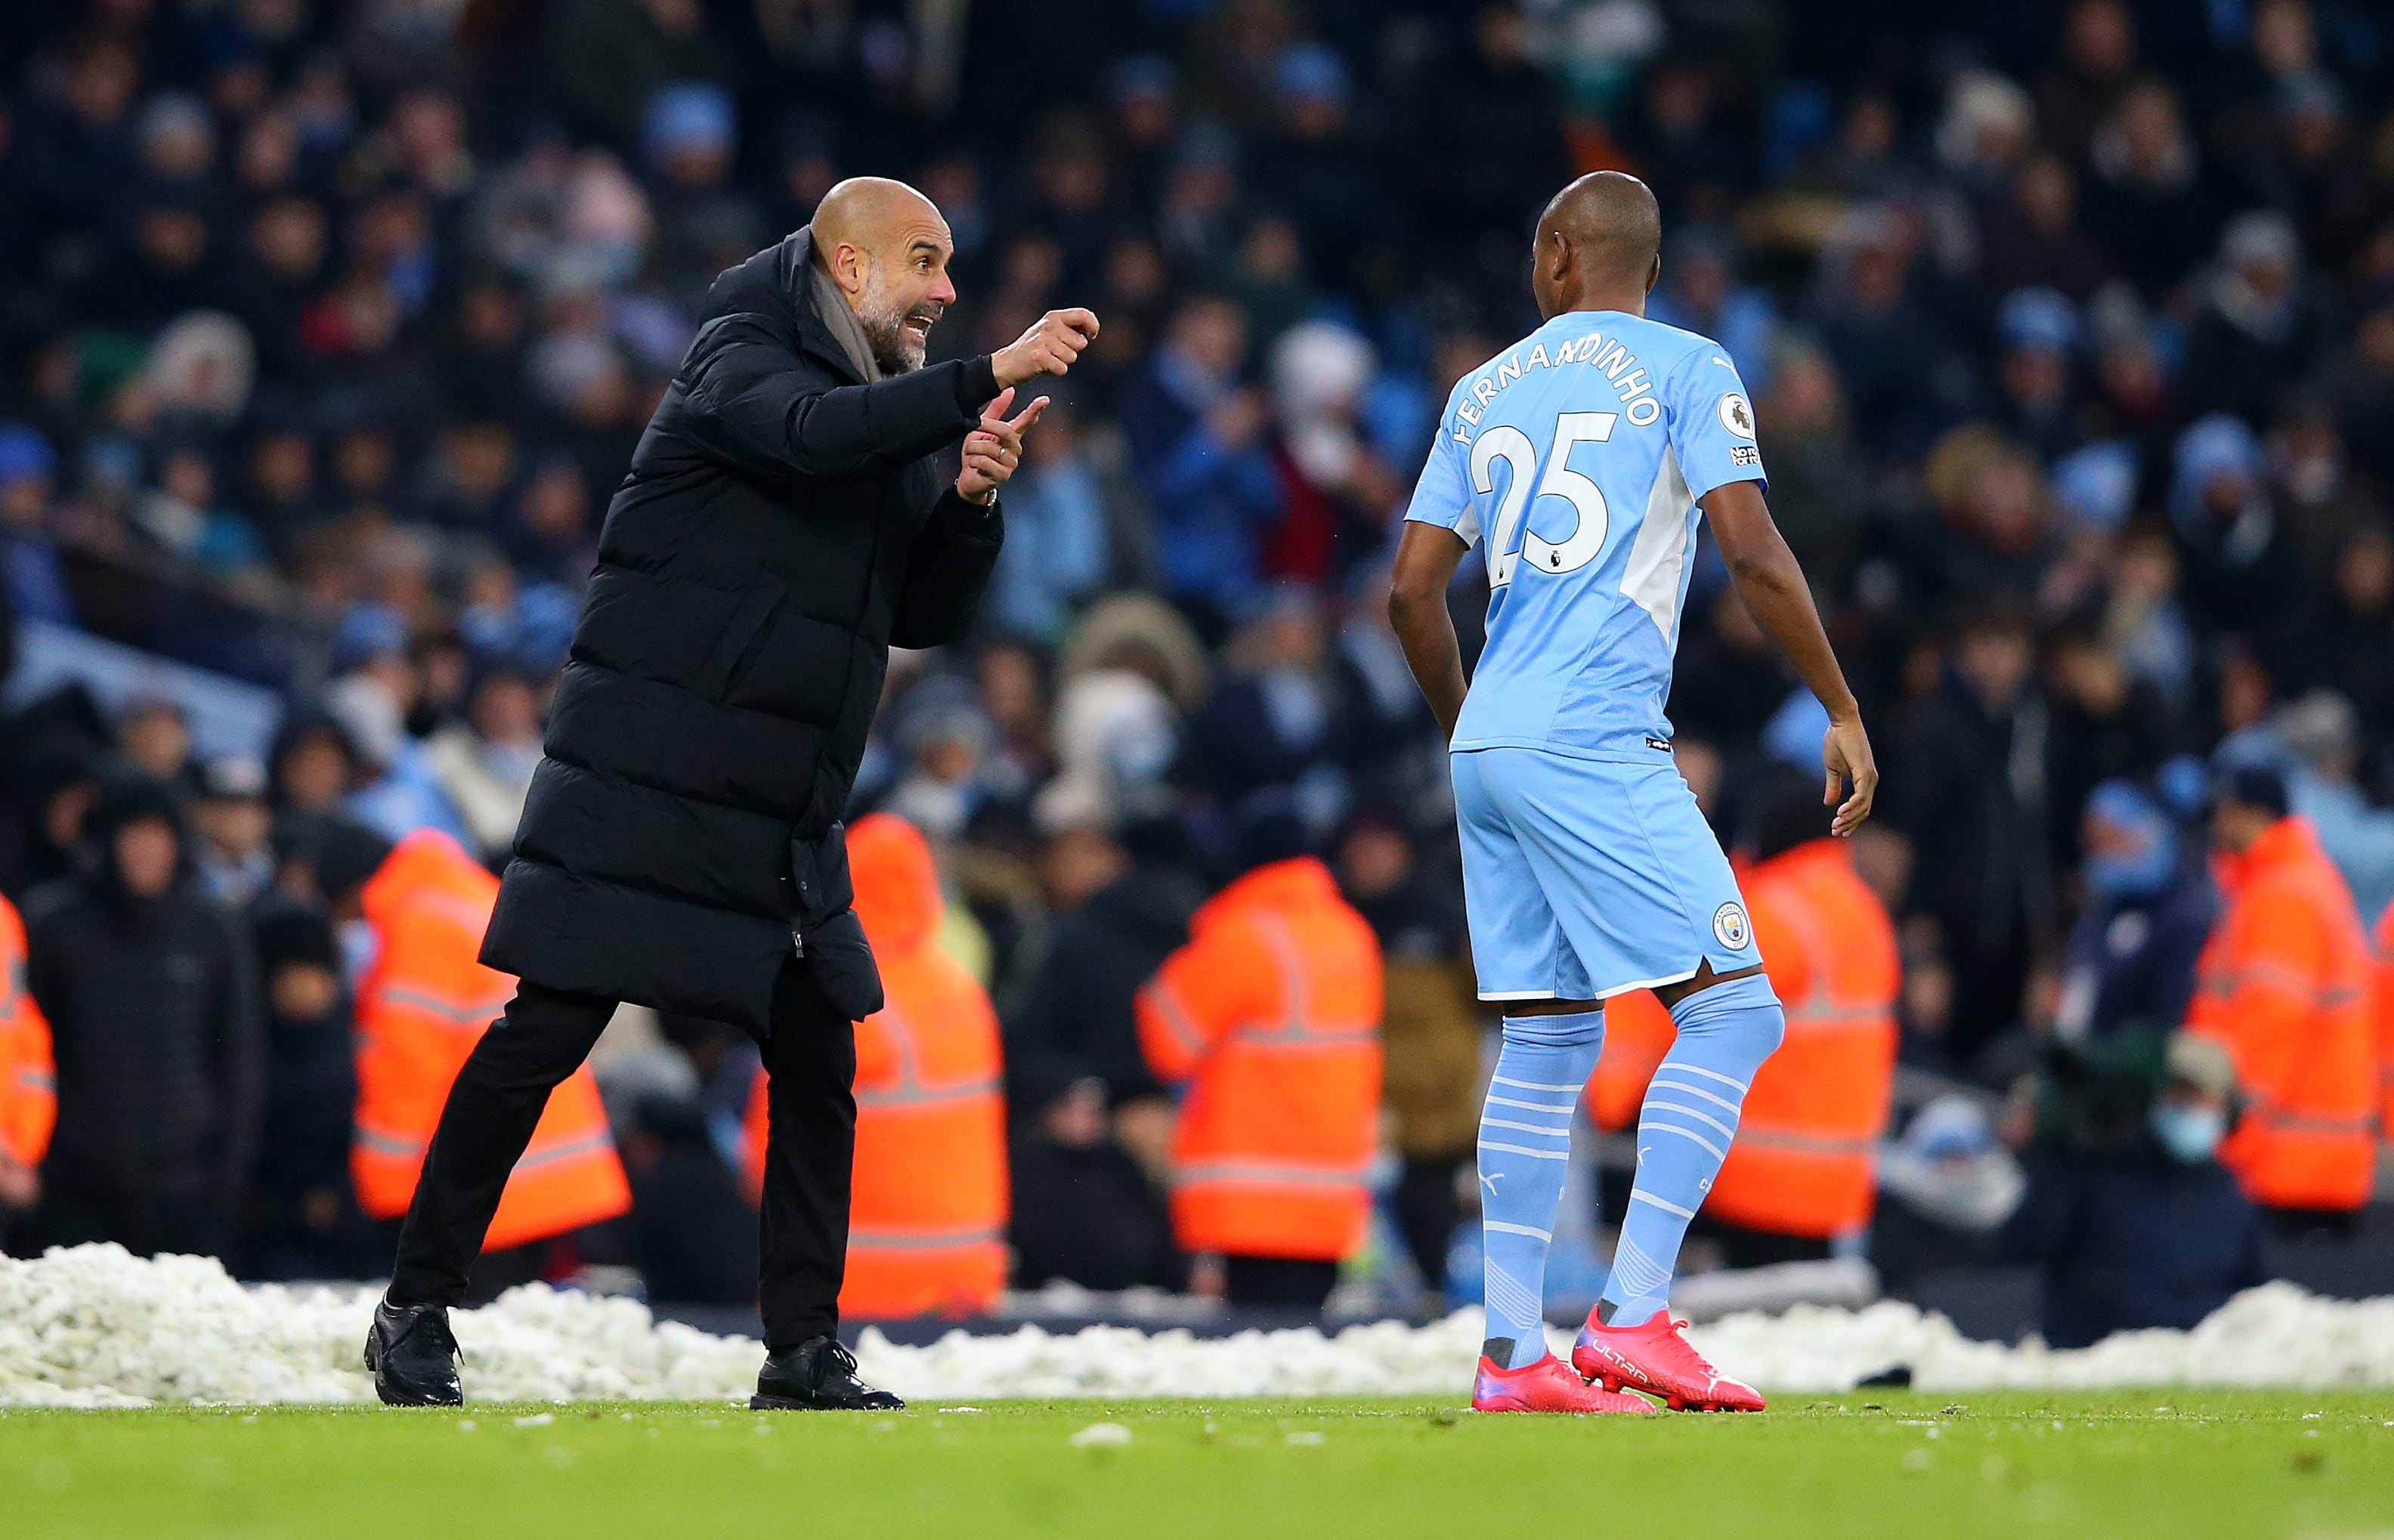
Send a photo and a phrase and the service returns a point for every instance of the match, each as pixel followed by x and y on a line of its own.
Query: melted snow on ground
pixel 95 1327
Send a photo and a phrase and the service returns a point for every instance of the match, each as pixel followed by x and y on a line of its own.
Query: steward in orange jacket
pixel 1271 1014
pixel 29 1097
pixel 1804 1163
pixel 2283 984
pixel 927 1219
pixel 424 1003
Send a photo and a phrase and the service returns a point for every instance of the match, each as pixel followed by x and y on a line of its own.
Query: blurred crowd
pixel 326 330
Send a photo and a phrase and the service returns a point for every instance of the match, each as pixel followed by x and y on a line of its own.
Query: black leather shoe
pixel 817 1375
pixel 414 1356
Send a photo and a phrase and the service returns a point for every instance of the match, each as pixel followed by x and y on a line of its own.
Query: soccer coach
pixel 782 528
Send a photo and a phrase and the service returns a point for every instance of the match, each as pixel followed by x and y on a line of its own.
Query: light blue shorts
pixel 1586 878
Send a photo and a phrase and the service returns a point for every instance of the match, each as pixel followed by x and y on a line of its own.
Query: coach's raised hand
pixel 994 450
pixel 1048 348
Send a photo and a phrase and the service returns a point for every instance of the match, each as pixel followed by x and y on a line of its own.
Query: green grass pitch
pixel 2169 1462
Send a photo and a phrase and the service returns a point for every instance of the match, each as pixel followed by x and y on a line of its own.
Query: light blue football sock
pixel 1683 1132
pixel 1524 1151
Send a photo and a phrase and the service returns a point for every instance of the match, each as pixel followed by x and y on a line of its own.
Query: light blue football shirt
pixel 1577 455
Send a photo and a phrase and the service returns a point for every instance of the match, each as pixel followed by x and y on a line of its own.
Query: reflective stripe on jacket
pixel 29 1090
pixel 1270 1013
pixel 2283 984
pixel 2383 1006
pixel 422 1006
pixel 927 1219
pixel 1805 1159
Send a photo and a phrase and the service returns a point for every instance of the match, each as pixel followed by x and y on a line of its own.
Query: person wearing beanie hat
pixel 2039 331
pixel 233 826
pixel 131 965
pixel 2236 553
pixel 2148 910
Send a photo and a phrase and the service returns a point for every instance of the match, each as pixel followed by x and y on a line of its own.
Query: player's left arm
pixel 1712 428
pixel 1772 585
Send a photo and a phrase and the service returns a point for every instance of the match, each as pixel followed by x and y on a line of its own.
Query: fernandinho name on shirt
pixel 1607 355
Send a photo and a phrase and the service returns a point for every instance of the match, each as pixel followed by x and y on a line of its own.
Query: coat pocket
pixel 740 634
pixel 840 960
pixel 830 939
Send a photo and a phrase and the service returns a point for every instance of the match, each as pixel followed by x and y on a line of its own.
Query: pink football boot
pixel 1545 1386
pixel 1653 1357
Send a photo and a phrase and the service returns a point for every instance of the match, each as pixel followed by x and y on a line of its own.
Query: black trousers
pixel 810 1157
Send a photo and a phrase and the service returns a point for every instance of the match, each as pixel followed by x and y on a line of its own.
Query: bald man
pixel 1577 461
pixel 785 523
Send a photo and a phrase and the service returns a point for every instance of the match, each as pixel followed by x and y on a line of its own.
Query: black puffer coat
pixel 783 524
pixel 153 1015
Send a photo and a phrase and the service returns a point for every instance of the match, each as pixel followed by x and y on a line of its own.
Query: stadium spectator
pixel 149 988
pixel 1275 718
pixel 693 1226
pixel 1090 1123
pixel 2131 1219
pixel 232 826
pixel 301 1220
pixel 485 762
pixel 1196 434
pixel 1073 526
pixel 1959 796
pixel 35 582
pixel 2149 909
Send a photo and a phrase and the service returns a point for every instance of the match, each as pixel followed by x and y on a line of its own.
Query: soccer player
pixel 1577 460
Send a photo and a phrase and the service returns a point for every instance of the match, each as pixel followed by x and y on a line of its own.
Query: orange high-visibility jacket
pixel 2283 984
pixel 1272 1014
pixel 2385 1012
pixel 1805 1160
pixel 422 1006
pixel 927 1221
pixel 29 1091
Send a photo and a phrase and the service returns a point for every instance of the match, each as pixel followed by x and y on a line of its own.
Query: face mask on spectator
pixel 2189 1132
pixel 2128 875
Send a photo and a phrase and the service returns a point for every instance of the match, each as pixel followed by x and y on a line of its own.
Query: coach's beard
pixel 899 335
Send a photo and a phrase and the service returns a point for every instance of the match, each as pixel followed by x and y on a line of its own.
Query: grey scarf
pixel 832 304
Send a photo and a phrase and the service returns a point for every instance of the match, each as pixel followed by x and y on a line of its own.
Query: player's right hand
pixel 1846 755
pixel 1049 347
